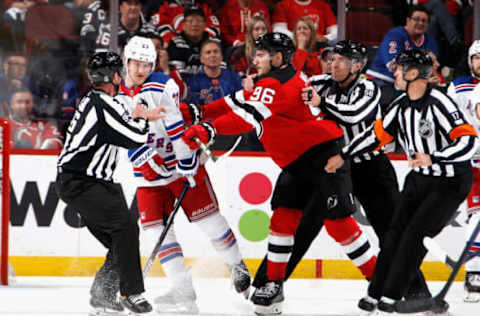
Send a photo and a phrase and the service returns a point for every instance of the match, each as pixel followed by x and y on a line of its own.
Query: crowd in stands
pixel 206 46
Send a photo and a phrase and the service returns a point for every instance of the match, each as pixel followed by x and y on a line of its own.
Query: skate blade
pixel 472 297
pixel 99 311
pixel 274 309
pixel 246 293
pixel 185 308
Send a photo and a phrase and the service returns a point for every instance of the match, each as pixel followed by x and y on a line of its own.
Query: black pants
pixel 304 185
pixel 426 206
pixel 106 215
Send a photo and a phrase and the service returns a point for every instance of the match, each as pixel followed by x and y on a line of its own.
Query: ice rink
pixel 41 296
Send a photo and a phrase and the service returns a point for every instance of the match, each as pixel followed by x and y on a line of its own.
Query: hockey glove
pixel 149 163
pixel 204 131
pixel 189 167
pixel 192 113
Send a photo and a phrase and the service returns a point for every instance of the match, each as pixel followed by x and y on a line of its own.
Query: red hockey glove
pixel 192 113
pixel 204 131
pixel 154 168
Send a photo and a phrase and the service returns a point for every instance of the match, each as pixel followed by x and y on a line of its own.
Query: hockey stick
pixel 209 153
pixel 159 243
pixel 442 255
pixel 437 303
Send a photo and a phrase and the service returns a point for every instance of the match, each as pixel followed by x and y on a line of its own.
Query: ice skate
pixel 241 278
pixel 268 299
pixel 472 287
pixel 136 304
pixel 385 307
pixel 180 300
pixel 104 299
pixel 367 306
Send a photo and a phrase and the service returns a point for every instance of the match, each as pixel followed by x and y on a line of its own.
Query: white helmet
pixel 473 50
pixel 140 48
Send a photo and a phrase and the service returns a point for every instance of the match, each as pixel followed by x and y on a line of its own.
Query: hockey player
pixel 297 143
pixel 439 143
pixel 160 167
pixel 84 181
pixel 465 91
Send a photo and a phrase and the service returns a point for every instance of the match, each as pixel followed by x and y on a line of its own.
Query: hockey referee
pixel 84 181
pixel 440 144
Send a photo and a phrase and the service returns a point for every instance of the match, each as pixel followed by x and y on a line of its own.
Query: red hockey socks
pixel 354 243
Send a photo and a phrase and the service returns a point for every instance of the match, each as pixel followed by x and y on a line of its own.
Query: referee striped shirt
pixel 100 125
pixel 432 125
pixel 354 108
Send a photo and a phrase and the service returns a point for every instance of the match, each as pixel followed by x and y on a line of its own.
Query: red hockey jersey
pixel 289 11
pixel 276 110
pixel 169 20
pixel 34 135
pixel 234 19
pixel 309 63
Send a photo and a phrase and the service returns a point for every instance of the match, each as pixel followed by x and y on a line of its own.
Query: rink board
pixel 45 238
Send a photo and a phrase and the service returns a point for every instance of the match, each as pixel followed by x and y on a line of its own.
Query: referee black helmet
pixel 102 67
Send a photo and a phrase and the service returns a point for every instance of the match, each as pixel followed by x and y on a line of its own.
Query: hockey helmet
pixel 276 42
pixel 418 59
pixel 472 51
pixel 142 49
pixel 102 66
pixel 351 49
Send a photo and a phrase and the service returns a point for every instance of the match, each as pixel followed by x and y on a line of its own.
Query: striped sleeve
pixel 121 129
pixel 363 104
pixel 373 138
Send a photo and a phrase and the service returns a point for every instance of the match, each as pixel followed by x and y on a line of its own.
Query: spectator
pixel 184 49
pixel 162 64
pixel 14 16
pixel 212 82
pixel 235 17
pixel 25 131
pixel 306 57
pixel 170 18
pixel 92 18
pixel 13 77
pixel 242 56
pixel 287 13
pixel 131 22
pixel 401 38
pixel 436 79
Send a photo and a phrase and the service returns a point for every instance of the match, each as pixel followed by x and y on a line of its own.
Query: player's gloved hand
pixel 189 167
pixel 149 163
pixel 192 113
pixel 205 132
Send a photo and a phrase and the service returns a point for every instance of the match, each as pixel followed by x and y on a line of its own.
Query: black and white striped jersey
pixel 432 125
pixel 99 126
pixel 354 108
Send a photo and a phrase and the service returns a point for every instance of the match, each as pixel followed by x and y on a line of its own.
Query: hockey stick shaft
pixel 442 255
pixel 437 302
pixel 159 243
pixel 209 153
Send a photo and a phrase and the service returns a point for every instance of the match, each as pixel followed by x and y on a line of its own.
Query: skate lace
pixel 270 289
pixel 136 299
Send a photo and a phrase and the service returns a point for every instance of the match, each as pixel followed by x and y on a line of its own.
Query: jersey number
pixel 264 95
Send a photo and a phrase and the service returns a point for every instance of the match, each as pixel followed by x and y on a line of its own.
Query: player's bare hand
pixel 310 96
pixel 156 113
pixel 248 83
pixel 334 163
pixel 420 160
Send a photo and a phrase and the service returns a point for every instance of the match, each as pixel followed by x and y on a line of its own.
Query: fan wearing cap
pixel 170 18
pixel 439 143
pixel 465 91
pixel 184 49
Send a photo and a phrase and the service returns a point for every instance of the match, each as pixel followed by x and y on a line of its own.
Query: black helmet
pixel 102 66
pixel 276 42
pixel 352 50
pixel 415 58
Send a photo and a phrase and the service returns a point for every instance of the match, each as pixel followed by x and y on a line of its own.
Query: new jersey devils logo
pixel 425 128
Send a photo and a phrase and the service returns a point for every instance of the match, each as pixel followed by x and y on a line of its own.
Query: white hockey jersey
pixel 165 134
